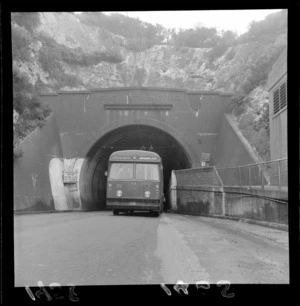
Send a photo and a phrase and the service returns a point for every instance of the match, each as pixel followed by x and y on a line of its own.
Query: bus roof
pixel 120 155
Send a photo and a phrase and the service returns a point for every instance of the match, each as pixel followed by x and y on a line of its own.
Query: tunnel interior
pixel 131 137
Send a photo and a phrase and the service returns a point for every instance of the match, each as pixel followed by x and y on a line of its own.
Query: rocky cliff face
pixel 65 54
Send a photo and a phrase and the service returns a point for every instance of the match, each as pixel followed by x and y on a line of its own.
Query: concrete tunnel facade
pixel 87 126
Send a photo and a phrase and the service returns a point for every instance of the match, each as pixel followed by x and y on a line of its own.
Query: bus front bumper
pixel 133 205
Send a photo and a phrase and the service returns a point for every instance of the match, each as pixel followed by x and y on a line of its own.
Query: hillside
pixel 64 51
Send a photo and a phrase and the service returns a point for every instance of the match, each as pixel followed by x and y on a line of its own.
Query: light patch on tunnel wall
pixel 64 178
pixel 56 167
pixel 173 191
pixel 33 178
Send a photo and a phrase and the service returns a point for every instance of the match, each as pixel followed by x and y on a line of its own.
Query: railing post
pixel 240 176
pixel 262 176
pixel 279 174
pixel 223 202
pixel 249 171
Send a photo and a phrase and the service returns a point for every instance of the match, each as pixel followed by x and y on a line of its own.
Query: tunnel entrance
pixel 131 137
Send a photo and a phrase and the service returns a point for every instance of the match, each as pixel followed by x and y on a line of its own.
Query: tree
pixel 29 110
pixel 267 29
pixel 20 44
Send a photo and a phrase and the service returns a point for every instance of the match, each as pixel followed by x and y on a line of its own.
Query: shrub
pixel 216 52
pixel 32 112
pixel 184 50
pixel 52 53
pixel 20 44
pixel 18 153
pixel 237 104
pixel 49 57
pixel 230 54
pixel 139 76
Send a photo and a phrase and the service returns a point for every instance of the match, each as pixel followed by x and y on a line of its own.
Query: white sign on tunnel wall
pixel 205 157
pixel 70 177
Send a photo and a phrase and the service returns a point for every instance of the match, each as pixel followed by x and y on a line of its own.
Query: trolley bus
pixel 135 182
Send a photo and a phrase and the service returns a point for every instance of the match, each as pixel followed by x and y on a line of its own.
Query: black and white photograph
pixel 150 148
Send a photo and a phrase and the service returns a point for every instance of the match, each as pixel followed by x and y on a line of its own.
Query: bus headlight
pixel 119 193
pixel 147 194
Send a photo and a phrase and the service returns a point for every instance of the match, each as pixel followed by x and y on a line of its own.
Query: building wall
pixel 278 121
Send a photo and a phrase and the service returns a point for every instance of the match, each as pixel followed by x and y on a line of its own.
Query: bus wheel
pixel 115 212
pixel 156 213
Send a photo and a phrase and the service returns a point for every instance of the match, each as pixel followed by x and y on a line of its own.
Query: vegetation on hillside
pixel 29 110
pixel 266 31
pixel 139 35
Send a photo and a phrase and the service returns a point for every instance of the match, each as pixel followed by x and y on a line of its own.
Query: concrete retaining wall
pixel 268 204
pixel 217 201
pixel 189 179
pixel 206 176
pixel 197 199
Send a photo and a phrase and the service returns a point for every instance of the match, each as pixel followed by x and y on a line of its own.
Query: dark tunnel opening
pixel 131 137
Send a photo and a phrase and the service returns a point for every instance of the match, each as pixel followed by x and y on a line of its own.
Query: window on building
pixel 283 97
pixel 276 101
pixel 280 98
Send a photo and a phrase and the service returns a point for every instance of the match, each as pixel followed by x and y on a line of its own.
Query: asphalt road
pixel 97 248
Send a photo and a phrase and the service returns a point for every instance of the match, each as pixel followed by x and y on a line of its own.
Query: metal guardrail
pixel 272 173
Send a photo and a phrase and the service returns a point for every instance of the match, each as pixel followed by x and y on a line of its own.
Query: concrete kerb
pixel 278 226
pixel 35 212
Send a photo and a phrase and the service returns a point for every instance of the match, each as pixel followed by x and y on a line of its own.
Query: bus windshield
pixel 121 171
pixel 147 172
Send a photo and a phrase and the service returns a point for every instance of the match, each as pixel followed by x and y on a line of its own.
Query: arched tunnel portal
pixel 130 137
